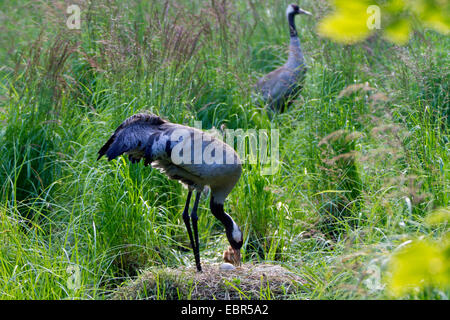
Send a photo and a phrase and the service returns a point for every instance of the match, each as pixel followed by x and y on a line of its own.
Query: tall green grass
pixel 360 166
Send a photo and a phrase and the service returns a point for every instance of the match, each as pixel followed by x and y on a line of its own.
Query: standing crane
pixel 279 87
pixel 190 156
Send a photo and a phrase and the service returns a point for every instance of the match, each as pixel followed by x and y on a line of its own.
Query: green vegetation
pixel 364 151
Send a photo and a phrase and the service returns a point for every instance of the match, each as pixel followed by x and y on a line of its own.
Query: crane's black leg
pixel 194 219
pixel 187 221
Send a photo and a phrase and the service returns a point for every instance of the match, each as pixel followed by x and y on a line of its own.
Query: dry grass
pixel 249 281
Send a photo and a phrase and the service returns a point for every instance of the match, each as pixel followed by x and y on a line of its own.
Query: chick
pixel 232 256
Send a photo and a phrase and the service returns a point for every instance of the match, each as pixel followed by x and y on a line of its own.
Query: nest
pixel 249 281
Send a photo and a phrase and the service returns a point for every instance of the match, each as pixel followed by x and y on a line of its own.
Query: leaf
pixel 348 24
pixel 438 216
pixel 353 21
pixel 398 31
pixel 434 13
pixel 421 264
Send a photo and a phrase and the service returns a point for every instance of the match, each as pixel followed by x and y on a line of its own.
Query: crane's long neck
pixel 232 230
pixel 291 21
pixel 295 58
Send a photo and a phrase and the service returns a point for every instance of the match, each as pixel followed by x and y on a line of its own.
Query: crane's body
pixel 188 155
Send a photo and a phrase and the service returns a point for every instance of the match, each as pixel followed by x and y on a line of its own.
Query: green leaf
pixel 348 24
pixel 435 14
pixel 438 216
pixel 353 21
pixel 398 31
pixel 423 263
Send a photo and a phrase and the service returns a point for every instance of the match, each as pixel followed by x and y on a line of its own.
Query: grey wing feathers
pixel 277 84
pixel 134 137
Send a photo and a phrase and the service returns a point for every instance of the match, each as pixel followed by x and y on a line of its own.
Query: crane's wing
pixel 280 85
pixel 276 84
pixel 182 153
pixel 138 136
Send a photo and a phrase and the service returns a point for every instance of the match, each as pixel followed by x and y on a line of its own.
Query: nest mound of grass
pixel 249 281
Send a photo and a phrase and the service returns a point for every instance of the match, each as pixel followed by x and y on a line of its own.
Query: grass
pixel 364 151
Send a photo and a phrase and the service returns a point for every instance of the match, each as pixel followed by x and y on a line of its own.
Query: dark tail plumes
pixel 132 134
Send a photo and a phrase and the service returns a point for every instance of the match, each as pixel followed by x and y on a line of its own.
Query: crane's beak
pixel 301 11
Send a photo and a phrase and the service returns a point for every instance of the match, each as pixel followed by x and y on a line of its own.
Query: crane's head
pixel 295 9
pixel 233 254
